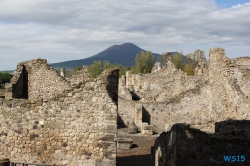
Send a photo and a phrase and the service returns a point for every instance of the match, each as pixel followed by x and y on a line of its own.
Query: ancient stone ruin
pixel 183 145
pixel 218 91
pixel 47 119
pixel 44 120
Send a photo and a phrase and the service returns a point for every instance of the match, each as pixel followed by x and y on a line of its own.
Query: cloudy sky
pixel 62 30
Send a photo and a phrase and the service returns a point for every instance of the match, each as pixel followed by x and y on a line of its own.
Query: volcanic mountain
pixel 122 54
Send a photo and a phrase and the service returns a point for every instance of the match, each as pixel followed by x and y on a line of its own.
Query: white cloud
pixel 65 30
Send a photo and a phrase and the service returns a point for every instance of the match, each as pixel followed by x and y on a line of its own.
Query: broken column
pixel 138 115
pixel 128 79
pixel 62 72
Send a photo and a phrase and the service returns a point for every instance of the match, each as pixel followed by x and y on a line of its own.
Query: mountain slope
pixel 122 54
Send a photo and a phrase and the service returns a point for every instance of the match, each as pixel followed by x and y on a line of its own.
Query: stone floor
pixel 139 154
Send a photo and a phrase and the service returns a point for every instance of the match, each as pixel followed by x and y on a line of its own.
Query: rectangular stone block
pixel 147 132
pixel 124 143
pixel 111 118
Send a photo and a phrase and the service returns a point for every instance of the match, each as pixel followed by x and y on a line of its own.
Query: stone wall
pixel 76 127
pixel 221 92
pixel 35 79
pixel 126 111
pixel 80 76
pixel 184 145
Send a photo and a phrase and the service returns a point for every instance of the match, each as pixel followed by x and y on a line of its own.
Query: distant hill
pixel 7 71
pixel 122 54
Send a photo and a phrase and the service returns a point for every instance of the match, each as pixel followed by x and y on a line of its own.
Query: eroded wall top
pixel 35 79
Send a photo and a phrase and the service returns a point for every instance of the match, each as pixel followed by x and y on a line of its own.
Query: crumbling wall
pixel 227 99
pixel 216 95
pixel 37 79
pixel 156 91
pixel 76 127
pixel 183 145
pixel 80 76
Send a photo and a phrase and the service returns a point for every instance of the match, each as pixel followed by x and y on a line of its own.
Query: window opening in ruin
pixel 20 90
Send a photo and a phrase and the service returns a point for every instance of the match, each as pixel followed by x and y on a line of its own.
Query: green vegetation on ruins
pixel 186 63
pixel 144 63
pixel 4 78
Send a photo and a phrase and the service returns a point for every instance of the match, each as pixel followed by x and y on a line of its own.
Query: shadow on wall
pixel 20 89
pixel 183 145
pixel 135 97
pixel 145 116
pixel 112 85
pixel 120 122
pixel 134 160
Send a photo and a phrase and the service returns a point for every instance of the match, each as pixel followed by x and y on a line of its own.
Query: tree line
pixel 4 78
pixel 186 63
pixel 144 63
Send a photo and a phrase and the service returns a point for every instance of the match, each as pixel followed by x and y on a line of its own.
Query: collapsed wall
pixel 158 92
pixel 221 92
pixel 80 76
pixel 35 79
pixel 75 127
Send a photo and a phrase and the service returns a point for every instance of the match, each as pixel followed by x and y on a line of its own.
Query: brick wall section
pixel 76 127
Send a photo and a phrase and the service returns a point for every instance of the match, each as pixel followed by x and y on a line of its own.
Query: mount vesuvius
pixel 122 54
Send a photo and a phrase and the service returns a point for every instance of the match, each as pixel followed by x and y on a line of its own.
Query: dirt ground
pixel 139 154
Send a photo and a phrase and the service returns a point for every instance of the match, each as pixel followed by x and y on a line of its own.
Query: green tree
pixel 4 78
pixel 122 69
pixel 197 55
pixel 98 66
pixel 189 69
pixel 95 69
pixel 133 70
pixel 177 61
pixel 78 68
pixel 106 64
pixel 162 59
pixel 192 59
pixel 144 62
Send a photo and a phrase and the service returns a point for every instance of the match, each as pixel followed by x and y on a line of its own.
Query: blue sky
pixel 68 30
pixel 229 3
